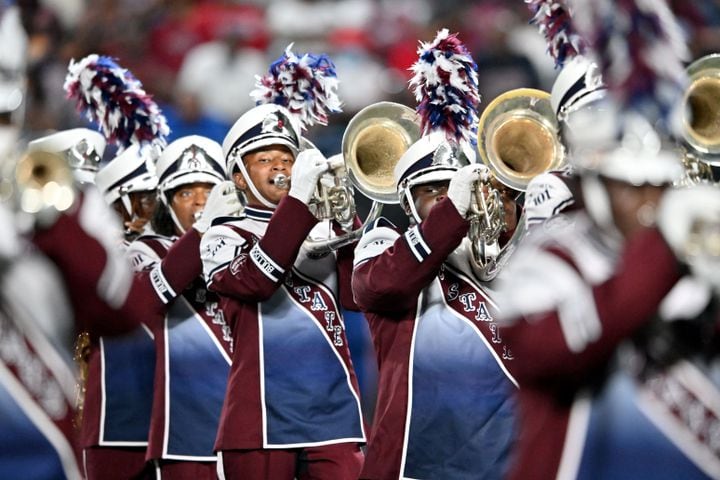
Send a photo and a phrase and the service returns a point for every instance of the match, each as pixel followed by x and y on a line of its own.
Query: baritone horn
pixel 517 140
pixel 701 120
pixel 373 142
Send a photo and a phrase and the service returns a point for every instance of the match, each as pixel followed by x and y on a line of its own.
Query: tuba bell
pixel 517 140
pixel 701 120
pixel 373 142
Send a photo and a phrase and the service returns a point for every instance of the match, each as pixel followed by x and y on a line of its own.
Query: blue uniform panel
pixel 461 425
pixel 24 450
pixel 622 443
pixel 307 394
pixel 198 374
pixel 129 375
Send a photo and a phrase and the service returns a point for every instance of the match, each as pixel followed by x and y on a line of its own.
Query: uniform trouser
pixel 342 461
pixel 121 463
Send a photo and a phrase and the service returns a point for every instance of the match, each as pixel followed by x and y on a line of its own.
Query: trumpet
pixel 517 140
pixel 373 142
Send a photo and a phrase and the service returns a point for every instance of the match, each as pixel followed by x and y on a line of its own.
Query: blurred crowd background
pixel 199 58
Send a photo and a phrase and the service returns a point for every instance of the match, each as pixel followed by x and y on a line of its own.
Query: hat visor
pixel 439 175
pixel 267 142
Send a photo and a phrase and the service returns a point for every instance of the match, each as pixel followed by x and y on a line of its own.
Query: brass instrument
pixel 701 120
pixel 81 356
pixel 695 170
pixel 333 197
pixel 373 142
pixel 44 182
pixel 517 140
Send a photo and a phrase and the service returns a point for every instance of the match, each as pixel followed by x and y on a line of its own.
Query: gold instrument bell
pixel 701 120
pixel 518 137
pixel 517 140
pixel 373 142
pixel 375 139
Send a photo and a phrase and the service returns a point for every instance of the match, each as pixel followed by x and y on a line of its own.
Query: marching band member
pixel 128 183
pixel 117 374
pixel 292 406
pixel 584 292
pixel 61 274
pixel 433 419
pixel 622 367
pixel 103 301
pixel 444 406
pixel 117 387
pixel 192 341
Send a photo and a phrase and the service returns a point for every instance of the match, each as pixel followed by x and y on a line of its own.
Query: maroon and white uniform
pixel 445 393
pixel 591 404
pixel 193 347
pixel 121 370
pixel 80 282
pixel 292 383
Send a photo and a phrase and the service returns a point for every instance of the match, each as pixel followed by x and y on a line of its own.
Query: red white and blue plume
pixel 306 85
pixel 554 21
pixel 640 48
pixel 445 84
pixel 113 98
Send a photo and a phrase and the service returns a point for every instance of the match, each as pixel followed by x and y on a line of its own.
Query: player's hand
pixel 689 220
pixel 546 195
pixel 461 186
pixel 223 201
pixel 308 167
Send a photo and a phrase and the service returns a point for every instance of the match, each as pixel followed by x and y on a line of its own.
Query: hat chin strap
pixel 176 221
pixel 125 199
pixel 253 188
pixel 407 196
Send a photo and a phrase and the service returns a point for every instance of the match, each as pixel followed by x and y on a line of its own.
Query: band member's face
pixel 425 196
pixel 142 205
pixel 263 166
pixel 188 200
pixel 632 207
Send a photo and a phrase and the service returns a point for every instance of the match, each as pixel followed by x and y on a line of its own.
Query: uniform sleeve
pixel 162 279
pixel 98 278
pixel 235 266
pixel 345 257
pixel 391 270
pixel 559 324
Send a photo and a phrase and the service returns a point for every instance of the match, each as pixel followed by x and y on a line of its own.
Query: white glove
pixel 223 201
pixel 546 195
pixel 689 219
pixel 306 171
pixel 461 186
